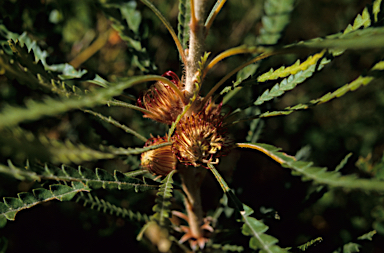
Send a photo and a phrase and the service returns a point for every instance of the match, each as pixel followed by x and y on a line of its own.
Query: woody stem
pixel 196 44
pixel 191 180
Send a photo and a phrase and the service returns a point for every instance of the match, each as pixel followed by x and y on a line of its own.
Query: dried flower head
pixel 159 161
pixel 162 101
pixel 202 137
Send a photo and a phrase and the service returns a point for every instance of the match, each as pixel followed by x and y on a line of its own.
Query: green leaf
pixel 12 206
pixel 343 162
pixel 131 15
pixel 351 247
pixel 287 84
pixel 359 82
pixel 291 70
pixel 309 244
pixel 67 71
pixel 100 204
pixel 162 206
pixel 183 22
pixel 368 38
pixel 126 21
pixel 17 173
pixel 251 226
pixel 228 247
pixel 275 19
pixel 27 145
pixel 97 179
pixel 318 175
pixel 11 116
pixel 99 81
pixel 376 9
pixel 367 236
pixel 63 192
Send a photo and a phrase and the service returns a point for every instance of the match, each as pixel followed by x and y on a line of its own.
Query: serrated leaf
pixel 67 71
pixel 291 70
pixel 316 174
pixel 251 226
pixel 126 21
pixel 12 206
pixel 228 247
pixel 311 243
pixel 11 116
pixel 42 194
pixel 287 84
pixel 359 82
pixel 62 192
pixel 275 19
pixel 100 204
pixel 368 38
pixel 183 22
pixel 27 198
pixel 25 144
pixel 164 194
pixel 13 203
pixel 131 15
pixel 18 173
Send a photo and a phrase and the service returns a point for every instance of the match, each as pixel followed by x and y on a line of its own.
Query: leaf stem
pixel 117 124
pixel 127 105
pixel 226 77
pixel 231 52
pixel 261 149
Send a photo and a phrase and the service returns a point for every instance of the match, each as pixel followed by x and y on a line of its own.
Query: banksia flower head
pixel 202 137
pixel 159 161
pixel 162 101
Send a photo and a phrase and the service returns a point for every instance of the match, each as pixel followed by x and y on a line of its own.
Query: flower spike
pixel 159 161
pixel 163 103
pixel 202 137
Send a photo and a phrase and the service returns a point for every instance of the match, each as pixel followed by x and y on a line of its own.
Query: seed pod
pixel 159 161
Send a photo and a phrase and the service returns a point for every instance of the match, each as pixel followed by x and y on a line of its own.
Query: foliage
pixel 72 79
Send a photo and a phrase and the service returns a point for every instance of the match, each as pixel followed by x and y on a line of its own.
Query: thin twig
pixel 115 102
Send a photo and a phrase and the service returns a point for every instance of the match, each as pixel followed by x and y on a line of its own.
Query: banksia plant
pixel 243 113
